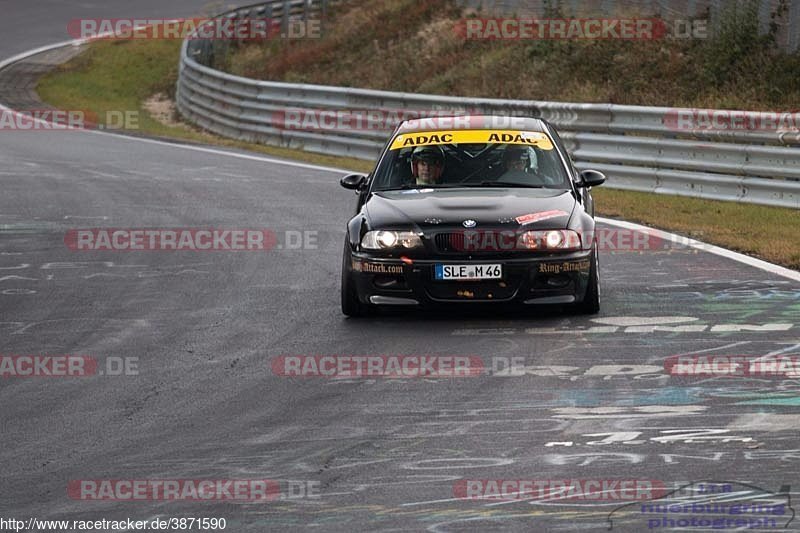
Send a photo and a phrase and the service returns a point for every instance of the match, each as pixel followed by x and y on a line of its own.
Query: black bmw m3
pixel 460 210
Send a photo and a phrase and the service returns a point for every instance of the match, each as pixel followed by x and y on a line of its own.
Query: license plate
pixel 468 272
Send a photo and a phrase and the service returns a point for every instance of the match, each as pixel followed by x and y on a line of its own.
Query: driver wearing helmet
pixel 427 164
pixel 516 159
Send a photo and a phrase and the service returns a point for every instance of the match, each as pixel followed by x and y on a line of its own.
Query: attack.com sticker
pixel 530 218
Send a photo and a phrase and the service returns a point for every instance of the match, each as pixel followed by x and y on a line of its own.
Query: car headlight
pixel 388 239
pixel 549 240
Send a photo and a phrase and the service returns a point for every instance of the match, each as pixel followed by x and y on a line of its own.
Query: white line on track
pixel 705 247
pixel 715 349
pixel 78 42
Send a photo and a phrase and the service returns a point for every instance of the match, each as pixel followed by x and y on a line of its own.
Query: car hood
pixel 433 209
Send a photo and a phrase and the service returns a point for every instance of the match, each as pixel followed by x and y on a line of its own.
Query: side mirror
pixel 353 181
pixel 591 178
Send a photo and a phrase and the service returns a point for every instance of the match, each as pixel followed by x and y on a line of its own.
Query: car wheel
pixel 591 302
pixel 351 306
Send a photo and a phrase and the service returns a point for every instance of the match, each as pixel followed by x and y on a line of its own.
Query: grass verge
pixel 114 76
pixel 122 76
pixel 412 46
pixel 769 233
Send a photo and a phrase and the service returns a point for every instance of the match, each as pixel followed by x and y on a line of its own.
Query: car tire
pixel 351 306
pixel 591 301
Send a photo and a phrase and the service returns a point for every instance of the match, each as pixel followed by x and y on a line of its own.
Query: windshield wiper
pixel 409 186
pixel 510 184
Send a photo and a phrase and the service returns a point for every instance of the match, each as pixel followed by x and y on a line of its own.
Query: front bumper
pixel 548 279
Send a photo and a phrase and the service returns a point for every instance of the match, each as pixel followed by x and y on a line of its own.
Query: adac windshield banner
pixel 532 138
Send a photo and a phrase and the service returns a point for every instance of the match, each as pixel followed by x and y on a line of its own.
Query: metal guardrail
pixel 206 51
pixel 639 148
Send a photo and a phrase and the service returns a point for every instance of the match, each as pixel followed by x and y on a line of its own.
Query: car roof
pixel 472 122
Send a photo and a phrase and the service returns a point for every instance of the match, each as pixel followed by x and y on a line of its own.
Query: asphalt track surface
pixel 594 401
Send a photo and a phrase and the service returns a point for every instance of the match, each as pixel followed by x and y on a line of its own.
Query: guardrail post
pixel 285 19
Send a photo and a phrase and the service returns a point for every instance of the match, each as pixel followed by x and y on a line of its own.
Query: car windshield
pixel 471 158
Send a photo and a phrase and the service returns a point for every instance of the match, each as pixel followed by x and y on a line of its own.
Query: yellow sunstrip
pixel 532 138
